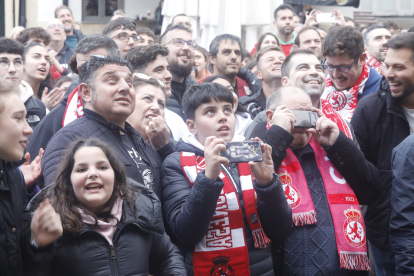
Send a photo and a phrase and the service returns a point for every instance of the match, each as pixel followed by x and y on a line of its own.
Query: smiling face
pixel 180 59
pixel 307 73
pixel 92 178
pixel 284 22
pixel 228 60
pixel 37 63
pixel 151 103
pixel 113 95
pixel 160 70
pixel 65 16
pixel 14 130
pixel 12 73
pixel 344 81
pixel 311 40
pixel 270 66
pixel 124 46
pixel 399 72
pixel 56 30
pixel 213 119
pixel 376 43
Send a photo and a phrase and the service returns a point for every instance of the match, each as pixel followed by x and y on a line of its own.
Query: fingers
pixel 208 141
pixel 27 157
pixel 45 91
pixel 320 113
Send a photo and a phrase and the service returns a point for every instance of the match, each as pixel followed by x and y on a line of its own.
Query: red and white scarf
pixel 74 108
pixel 374 63
pixel 224 248
pixel 348 222
pixel 345 101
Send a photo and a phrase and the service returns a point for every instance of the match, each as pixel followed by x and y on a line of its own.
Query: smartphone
pixel 305 118
pixel 325 17
pixel 243 152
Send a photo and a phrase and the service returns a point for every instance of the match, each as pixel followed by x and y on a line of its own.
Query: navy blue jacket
pixel 64 56
pixel 183 206
pixel 402 215
pixel 372 83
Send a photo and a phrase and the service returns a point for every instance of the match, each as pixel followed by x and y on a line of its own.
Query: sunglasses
pixel 93 57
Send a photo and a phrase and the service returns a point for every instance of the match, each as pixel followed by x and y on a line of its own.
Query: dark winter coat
pixel 140 246
pixel 380 125
pixel 306 240
pixel 182 204
pixel 36 111
pixel 174 102
pixel 64 56
pixel 94 125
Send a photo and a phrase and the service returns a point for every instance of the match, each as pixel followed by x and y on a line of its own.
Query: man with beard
pixel 73 36
pixel 375 39
pixel 382 120
pixel 269 65
pixel 284 24
pixel 309 38
pixel 349 76
pixel 225 58
pixel 181 57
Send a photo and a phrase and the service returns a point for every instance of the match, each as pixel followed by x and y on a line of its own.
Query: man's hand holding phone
pixel 284 118
pixel 326 132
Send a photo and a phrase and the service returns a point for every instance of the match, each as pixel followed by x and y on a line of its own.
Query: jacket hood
pixel 26 91
pixel 243 121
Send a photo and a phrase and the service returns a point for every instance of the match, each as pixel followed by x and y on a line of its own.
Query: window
pixel 100 11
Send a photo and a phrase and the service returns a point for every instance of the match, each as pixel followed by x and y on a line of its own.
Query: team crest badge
pixel 291 193
pixel 337 100
pixel 221 267
pixel 354 228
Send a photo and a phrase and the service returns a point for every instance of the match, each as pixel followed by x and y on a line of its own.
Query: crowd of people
pixel 111 150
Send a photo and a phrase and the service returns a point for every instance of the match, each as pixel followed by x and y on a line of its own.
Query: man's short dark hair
pixel 146 31
pixel 180 14
pixel 343 40
pixel 402 41
pixel 202 93
pixel 391 25
pixel 36 32
pixel 63 7
pixel 88 74
pixel 371 28
pixel 11 46
pixel 265 50
pixel 141 56
pixel 286 66
pixel 119 23
pixel 283 7
pixel 171 28
pixel 304 29
pixel 214 45
pixel 250 64
pixel 245 54
pixel 59 81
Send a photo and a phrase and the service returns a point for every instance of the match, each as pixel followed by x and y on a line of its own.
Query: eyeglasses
pixel 93 57
pixel 60 26
pixel 146 77
pixel 5 64
pixel 125 37
pixel 340 68
pixel 178 42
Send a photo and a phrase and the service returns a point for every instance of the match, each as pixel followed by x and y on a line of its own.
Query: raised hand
pixel 158 133
pixel 52 98
pixel 212 148
pixel 311 18
pixel 32 171
pixel 284 118
pixel 339 18
pixel 326 132
pixel 46 225
pixel 263 171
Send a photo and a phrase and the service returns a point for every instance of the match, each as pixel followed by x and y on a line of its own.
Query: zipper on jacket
pixel 113 255
pixel 114 264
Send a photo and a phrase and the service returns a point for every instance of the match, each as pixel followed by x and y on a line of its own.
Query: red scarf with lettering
pixel 344 102
pixel 348 222
pixel 74 108
pixel 374 63
pixel 223 250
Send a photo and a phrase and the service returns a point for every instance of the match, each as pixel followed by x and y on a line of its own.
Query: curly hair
pixel 37 32
pixel 141 56
pixel 62 196
pixel 343 40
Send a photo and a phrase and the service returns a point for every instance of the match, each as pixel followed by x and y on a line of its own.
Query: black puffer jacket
pixel 140 246
pixel 94 125
pixel 182 204
pixel 380 125
pixel 174 102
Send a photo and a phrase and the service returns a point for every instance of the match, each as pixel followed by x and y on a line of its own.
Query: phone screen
pixel 243 152
pixel 325 17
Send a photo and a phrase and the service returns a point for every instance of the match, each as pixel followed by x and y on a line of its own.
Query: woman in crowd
pixel 267 39
pixel 111 225
pixel 243 119
pixel 37 67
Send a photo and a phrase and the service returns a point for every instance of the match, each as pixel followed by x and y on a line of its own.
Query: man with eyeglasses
pixel 59 50
pixel 122 31
pixel 12 69
pixel 349 76
pixel 181 59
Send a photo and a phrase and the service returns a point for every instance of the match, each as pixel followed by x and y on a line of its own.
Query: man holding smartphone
pixel 325 178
